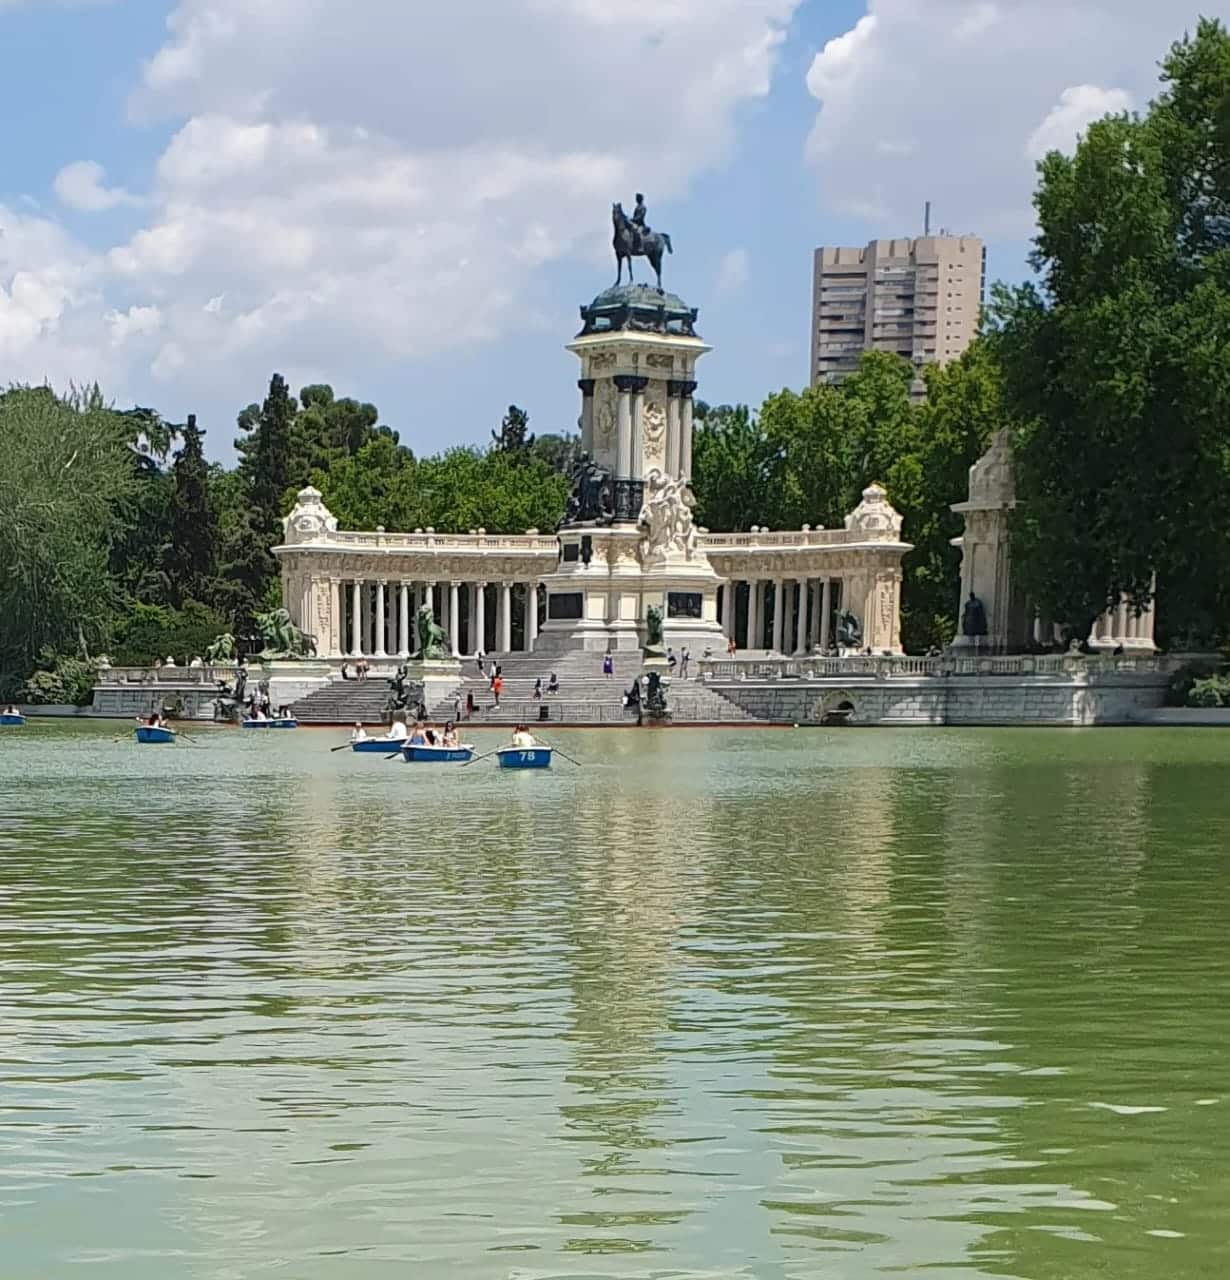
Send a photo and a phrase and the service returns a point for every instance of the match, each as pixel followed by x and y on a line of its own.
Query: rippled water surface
pixel 754 1004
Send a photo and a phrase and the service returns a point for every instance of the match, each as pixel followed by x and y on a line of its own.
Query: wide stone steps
pixel 344 702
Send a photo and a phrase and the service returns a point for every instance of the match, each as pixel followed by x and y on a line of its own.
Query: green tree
pixel 191 553
pixel 1117 365
pixel 466 489
pixel 376 487
pixel 67 474
pixel 732 469
pixel 514 436
pixel 559 451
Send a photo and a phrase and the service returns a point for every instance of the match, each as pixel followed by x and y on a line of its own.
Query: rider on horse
pixel 640 228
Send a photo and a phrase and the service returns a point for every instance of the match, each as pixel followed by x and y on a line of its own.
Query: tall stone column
pixel 403 621
pixel 454 618
pixel 638 427
pixel 380 651
pixel 728 608
pixel 356 618
pixel 587 415
pixel 505 617
pixel 531 616
pixel 687 390
pixel 826 615
pixel 623 429
pixel 779 614
pixel 800 634
pixel 755 614
pixel 480 617
pixel 336 636
pixel 672 429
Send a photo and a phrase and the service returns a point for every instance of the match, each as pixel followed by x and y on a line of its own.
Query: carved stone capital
pixel 681 387
pixel 630 382
pixel 586 385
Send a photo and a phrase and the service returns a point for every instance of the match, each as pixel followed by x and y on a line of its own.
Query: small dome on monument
pixel 641 307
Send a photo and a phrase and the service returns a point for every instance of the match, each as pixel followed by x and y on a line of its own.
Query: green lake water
pixel 745 1005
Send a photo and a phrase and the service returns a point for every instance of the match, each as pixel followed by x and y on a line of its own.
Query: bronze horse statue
pixel 625 244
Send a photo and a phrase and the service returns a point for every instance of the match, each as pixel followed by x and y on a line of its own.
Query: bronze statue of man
pixel 638 222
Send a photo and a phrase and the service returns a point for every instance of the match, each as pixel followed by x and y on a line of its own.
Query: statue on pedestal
pixel 666 518
pixel 849 630
pixel 282 638
pixel 592 496
pixel 634 239
pixel 653 631
pixel 974 618
pixel 433 639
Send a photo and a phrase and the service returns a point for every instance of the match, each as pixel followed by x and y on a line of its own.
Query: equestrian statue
pixel 635 239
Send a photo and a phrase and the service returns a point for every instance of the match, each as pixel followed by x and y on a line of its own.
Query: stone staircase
pixel 344 702
pixel 586 696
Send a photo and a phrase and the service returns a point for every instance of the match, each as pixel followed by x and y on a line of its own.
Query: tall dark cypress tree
pixel 190 558
pixel 271 456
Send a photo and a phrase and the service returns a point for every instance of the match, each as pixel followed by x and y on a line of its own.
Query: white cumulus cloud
pixel 1077 108
pixel 80 186
pixel 390 183
pixel 953 101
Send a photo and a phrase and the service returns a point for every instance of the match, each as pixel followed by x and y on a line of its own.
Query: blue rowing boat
pixel 154 733
pixel 381 746
pixel 283 722
pixel 524 758
pixel 437 755
pixel 12 720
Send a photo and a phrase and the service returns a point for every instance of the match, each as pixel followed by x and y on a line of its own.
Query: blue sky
pixel 411 204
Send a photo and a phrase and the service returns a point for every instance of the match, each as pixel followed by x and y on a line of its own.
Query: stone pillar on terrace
pixel 356 618
pixel 825 640
pixel 381 622
pixel 986 560
pixel 403 621
pixel 586 386
pixel 531 616
pixel 728 608
pixel 673 419
pixel 480 617
pixel 800 634
pixel 779 611
pixel 454 618
pixel 686 391
pixel 505 617
pixel 755 614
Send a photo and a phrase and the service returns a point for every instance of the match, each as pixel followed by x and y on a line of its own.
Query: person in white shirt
pixel 523 738
pixel 398 731
pixel 358 733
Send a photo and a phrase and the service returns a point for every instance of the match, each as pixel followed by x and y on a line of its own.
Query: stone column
pixel 480 617
pixel 531 616
pixel 454 619
pixel 672 429
pixel 779 611
pixel 685 429
pixel 505 617
pixel 623 429
pixel 356 618
pixel 728 608
pixel 403 621
pixel 755 614
pixel 336 634
pixel 379 652
pixel 638 427
pixel 826 615
pixel 587 415
pixel 800 634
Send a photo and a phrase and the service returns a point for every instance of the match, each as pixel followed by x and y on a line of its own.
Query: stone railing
pixel 911 668
pixel 110 677
pixel 524 543
pixel 758 540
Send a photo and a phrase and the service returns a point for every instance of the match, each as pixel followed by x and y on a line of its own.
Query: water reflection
pixel 714 1005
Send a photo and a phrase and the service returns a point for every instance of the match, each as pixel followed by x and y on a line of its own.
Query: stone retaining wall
pixel 954 700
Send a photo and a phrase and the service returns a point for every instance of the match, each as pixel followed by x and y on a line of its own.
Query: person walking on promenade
pixel 608 665
pixel 683 663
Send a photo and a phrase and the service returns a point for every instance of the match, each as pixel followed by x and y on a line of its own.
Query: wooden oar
pixel 485 756
pixel 570 760
pixel 341 748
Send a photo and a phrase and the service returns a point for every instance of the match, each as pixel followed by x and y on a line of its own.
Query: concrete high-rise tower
pixel 919 298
